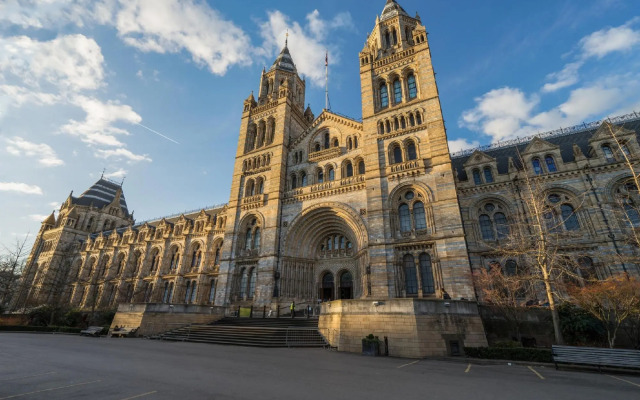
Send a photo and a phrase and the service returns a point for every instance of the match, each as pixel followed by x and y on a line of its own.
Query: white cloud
pixel 55 204
pixel 307 44
pixel 462 144
pixel 500 112
pixel 120 173
pixel 71 62
pixel 42 151
pixel 173 26
pixel 38 217
pixel 20 187
pixel 605 41
pixel 123 154
pixel 566 77
pixel 98 126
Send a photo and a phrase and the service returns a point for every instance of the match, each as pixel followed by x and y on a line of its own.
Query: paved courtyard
pixel 38 366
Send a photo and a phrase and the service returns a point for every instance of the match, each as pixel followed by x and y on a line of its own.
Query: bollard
pixel 386 346
pixel 251 312
pixel 264 311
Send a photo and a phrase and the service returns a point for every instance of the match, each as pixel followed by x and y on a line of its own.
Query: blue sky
pixel 83 83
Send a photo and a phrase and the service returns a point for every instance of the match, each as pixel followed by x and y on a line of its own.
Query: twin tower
pixel 325 208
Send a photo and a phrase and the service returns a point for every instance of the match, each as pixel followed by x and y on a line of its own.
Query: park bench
pixel 599 357
pixel 123 332
pixel 92 331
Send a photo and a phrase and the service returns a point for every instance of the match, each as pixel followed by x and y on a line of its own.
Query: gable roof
pixel 563 138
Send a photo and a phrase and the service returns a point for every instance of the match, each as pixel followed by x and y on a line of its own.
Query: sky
pixel 151 91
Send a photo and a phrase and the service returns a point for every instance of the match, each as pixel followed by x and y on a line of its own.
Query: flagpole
pixel 326 80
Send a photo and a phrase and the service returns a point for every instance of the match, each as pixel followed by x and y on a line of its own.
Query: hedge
pixel 515 354
pixel 20 328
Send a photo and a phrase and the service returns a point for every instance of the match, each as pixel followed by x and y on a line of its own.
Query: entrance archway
pixel 346 285
pixel 327 287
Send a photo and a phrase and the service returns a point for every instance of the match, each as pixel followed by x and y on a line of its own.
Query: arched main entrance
pixel 322 255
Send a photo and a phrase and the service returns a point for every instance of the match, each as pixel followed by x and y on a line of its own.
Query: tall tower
pixel 251 245
pixel 411 196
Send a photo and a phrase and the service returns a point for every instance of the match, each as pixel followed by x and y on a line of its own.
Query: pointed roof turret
pixel 391 9
pixel 51 219
pixel 102 193
pixel 284 60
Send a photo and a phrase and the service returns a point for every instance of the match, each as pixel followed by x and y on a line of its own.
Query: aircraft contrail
pixel 157 133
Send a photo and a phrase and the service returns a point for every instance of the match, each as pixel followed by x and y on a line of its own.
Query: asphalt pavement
pixel 48 366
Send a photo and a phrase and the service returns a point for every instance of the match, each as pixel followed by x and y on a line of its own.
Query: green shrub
pixel 512 353
pixel 580 328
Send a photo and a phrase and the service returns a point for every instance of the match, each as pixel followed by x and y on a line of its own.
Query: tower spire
pixel 286 38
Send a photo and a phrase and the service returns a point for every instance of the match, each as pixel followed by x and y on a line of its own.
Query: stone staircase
pixel 256 332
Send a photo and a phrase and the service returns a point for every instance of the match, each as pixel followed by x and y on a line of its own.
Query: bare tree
pixel 612 301
pixel 12 264
pixel 508 291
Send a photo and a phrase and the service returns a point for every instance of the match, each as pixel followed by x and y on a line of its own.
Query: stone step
pixel 257 332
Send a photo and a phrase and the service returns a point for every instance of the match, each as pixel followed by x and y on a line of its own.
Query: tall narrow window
pixel 320 176
pixel 326 140
pixel 395 37
pixel 411 84
pixel 486 227
pixel 569 217
pixel 303 179
pixel 476 177
pixel 501 225
pixel 361 167
pixel 426 272
pixel 212 291
pixel 260 186
pixel 397 91
pixel 633 217
pixel 247 240
pixel 349 169
pixel 418 118
pixel 294 182
pixel 217 257
pixel 410 277
pixel 608 154
pixel 256 239
pixel 397 154
pixel 488 175
pixel 187 294
pixel 537 167
pixel 243 283
pixel 331 174
pixel 510 268
pixel 384 96
pixel 252 283
pixel 411 151
pixel 193 292
pixel 355 142
pixel 551 164
pixel 403 122
pixel 170 297
pixel 412 120
pixel 419 219
pixel 405 218
pixel 625 149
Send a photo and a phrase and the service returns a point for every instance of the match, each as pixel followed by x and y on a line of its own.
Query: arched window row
pixel 400 122
pixel 257 162
pixel 167 293
pixel 252 235
pixel 260 134
pixel 482 175
pixel 402 151
pixel 323 141
pixel 334 246
pixel 390 38
pixel 327 173
pixel 190 292
pixel 418 275
pixel 254 186
pixel 196 256
pixel 542 165
pixel 560 215
pixel 627 197
pixel 420 38
pixel 492 221
pixel 616 152
pixel 353 142
pixel 298 157
pixel 397 89
pixel 412 215
pixel 246 283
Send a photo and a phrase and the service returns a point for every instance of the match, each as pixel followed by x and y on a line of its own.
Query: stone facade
pixel 331 208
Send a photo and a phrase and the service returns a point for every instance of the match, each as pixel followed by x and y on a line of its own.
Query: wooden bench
pixel 599 357
pixel 92 331
pixel 123 332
